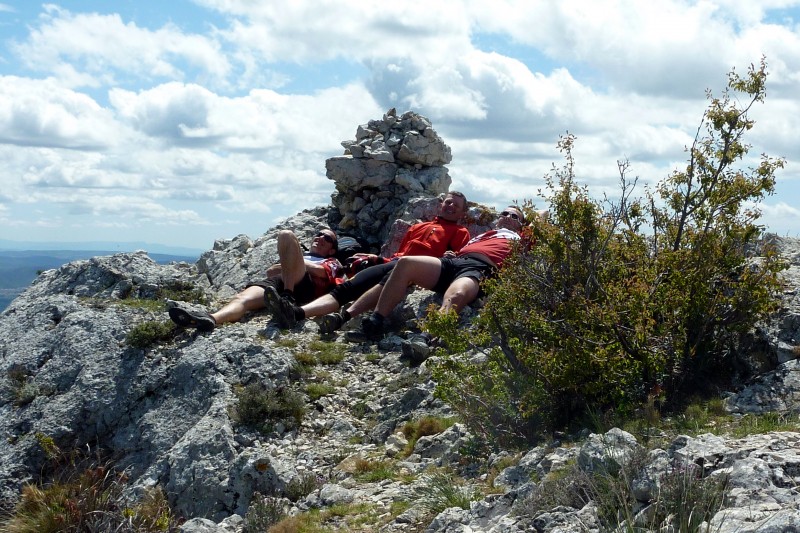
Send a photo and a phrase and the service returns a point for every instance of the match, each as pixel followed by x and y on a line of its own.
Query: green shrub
pixel 146 334
pixel 259 408
pixel 618 303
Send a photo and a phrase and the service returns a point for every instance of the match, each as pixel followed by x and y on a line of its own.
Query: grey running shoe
pixel 192 319
pixel 330 323
pixel 417 348
pixel 282 308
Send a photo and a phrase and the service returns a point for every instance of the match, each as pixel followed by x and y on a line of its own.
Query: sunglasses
pixel 512 215
pixel 327 238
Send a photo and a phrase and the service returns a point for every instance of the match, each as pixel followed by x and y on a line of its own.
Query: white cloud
pixel 43 113
pixel 103 46
pixel 261 120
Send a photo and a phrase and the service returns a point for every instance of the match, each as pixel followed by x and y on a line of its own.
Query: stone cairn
pixel 390 162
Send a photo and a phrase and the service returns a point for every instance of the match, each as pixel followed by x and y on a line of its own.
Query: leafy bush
pixel 622 302
pixel 259 408
pixel 148 333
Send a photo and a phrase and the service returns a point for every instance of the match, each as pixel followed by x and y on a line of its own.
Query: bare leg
pixel 293 266
pixel 250 299
pixel 416 270
pixel 366 302
pixel 459 294
pixel 321 306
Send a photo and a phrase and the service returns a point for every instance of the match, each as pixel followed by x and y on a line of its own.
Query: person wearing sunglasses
pixel 297 276
pixel 442 235
pixel 456 278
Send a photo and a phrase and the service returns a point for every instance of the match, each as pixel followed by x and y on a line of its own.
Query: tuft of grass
pixel 351 517
pixel 316 391
pixel 686 499
pixel 89 500
pixel 286 342
pixel 146 334
pixel 21 387
pixel 440 491
pixel 765 423
pixel 328 353
pixel 372 471
pixel 146 304
pixel 428 425
pixel 259 408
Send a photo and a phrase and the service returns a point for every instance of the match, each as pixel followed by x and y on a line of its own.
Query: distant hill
pixel 18 268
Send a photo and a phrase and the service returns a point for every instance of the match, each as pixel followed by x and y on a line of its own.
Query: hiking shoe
pixel 417 348
pixel 330 323
pixel 373 327
pixel 282 308
pixel 192 319
pixel 355 335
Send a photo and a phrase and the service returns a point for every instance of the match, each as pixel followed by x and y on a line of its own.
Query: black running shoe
pixel 330 323
pixel 192 319
pixel 373 327
pixel 283 309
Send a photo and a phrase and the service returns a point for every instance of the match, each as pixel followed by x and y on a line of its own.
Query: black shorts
pixel 304 290
pixel 454 268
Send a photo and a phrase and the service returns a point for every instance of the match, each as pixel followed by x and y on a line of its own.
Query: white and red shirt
pixel 494 244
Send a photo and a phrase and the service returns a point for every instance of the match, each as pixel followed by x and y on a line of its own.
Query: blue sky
pixel 183 122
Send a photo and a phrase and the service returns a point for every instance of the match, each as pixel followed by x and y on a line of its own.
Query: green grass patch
pixel 260 408
pixel 316 391
pixel 372 471
pixel 146 334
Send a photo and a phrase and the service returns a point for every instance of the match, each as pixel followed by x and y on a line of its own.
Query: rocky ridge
pixel 165 412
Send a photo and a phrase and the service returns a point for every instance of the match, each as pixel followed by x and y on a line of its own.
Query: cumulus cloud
pixel 43 113
pixel 103 48
pixel 263 119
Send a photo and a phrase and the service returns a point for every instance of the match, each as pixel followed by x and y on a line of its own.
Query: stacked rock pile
pixel 390 161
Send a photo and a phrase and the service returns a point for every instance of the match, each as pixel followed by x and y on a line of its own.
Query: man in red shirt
pixel 433 239
pixel 458 278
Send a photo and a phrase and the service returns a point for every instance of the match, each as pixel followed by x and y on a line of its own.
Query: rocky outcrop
pixel 166 413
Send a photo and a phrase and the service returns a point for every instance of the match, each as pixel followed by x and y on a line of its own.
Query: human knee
pixel 286 236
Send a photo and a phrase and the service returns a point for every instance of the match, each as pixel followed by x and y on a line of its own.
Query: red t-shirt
pixel 494 244
pixel 433 238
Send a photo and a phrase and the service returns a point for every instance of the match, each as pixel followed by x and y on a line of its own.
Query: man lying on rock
pixel 439 237
pixel 458 278
pixel 296 277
